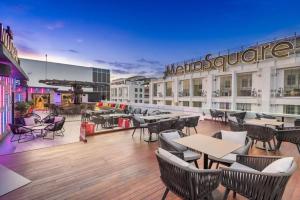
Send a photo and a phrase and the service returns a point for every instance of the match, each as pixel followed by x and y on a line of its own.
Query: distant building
pixel 262 78
pixel 130 90
pixel 58 94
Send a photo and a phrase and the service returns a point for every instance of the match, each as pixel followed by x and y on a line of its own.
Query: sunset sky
pixel 140 37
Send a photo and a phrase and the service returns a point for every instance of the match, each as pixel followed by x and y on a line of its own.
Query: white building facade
pixel 263 78
pixel 130 90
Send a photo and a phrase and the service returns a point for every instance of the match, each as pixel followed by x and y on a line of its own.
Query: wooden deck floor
pixel 109 166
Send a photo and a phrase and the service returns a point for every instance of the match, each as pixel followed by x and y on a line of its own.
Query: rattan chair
pixel 216 114
pixel 22 132
pixel 157 127
pixel 187 182
pixel 256 185
pixel 139 123
pixel 240 116
pixel 264 134
pixel 191 122
pixel 230 158
pixel 235 125
pixel 179 124
pixel 291 135
pixel 56 128
pixel 168 144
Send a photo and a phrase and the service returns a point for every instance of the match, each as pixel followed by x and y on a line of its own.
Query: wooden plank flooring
pixel 109 166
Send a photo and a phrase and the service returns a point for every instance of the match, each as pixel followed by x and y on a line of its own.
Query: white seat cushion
pixel 171 136
pixel 279 166
pixel 190 155
pixel 29 121
pixel 239 166
pixel 172 158
pixel 230 157
pixel 238 137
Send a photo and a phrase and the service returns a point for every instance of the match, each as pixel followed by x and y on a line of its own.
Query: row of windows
pixel 244 86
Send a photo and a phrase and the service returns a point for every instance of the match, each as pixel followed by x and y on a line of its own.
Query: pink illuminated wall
pixel 6 86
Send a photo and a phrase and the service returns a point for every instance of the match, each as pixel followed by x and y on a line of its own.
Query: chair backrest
pixel 261 133
pixel 166 142
pixel 187 182
pixel 192 121
pixel 235 126
pixel 137 121
pixel 180 124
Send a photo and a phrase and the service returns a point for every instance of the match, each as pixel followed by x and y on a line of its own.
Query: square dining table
pixel 208 146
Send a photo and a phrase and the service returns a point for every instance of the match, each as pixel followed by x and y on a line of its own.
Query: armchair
pixel 247 179
pixel 185 180
pixel 19 130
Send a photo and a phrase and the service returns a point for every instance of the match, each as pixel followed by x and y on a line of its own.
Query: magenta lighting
pixel 6 85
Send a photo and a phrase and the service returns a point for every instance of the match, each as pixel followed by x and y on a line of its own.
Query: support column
pixel 209 90
pixel 233 90
pixel 266 89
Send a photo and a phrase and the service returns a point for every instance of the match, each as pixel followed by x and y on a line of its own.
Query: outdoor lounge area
pixel 129 171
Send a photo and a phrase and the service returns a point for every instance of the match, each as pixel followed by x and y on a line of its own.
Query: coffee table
pixel 208 146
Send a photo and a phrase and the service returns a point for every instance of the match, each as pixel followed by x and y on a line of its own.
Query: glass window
pixel 135 101
pixel 168 102
pixel 244 84
pixel 136 95
pixel 135 89
pixel 185 103
pixel 141 95
pixel 197 104
pixel 155 89
pixel 291 109
pixel 292 82
pixel 94 77
pixel 141 101
pixel 154 101
pixel 184 86
pixel 197 87
pixel 225 86
pixel 141 90
pixel 225 105
pixel 243 106
pixel 169 91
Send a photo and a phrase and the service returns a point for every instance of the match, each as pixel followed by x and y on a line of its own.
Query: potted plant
pixel 21 108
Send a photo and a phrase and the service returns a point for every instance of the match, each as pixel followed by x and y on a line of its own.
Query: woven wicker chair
pixel 187 183
pixel 235 126
pixel 191 122
pixel 180 124
pixel 240 116
pixel 291 135
pixel 216 114
pixel 261 133
pixel 179 150
pixel 22 132
pixel 139 123
pixel 256 185
pixel 227 161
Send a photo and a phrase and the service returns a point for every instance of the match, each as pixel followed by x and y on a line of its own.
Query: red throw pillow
pixel 100 104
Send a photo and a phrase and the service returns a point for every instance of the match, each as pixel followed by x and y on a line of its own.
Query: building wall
pixel 267 77
pixel 130 92
pixel 37 70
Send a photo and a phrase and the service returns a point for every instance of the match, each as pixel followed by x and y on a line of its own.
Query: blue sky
pixel 140 37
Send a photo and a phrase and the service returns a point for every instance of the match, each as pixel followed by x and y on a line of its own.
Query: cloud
pixel 119 71
pixel 151 62
pixel 79 40
pixel 55 25
pixel 24 49
pixel 72 51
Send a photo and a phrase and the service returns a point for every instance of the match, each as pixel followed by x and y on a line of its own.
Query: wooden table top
pixel 163 116
pixel 208 145
pixel 263 122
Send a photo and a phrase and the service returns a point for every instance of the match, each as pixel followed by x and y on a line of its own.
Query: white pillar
pixel 266 89
pixel 233 90
pixel 209 91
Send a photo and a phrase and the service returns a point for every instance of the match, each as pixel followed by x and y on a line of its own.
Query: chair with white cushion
pixel 258 177
pixel 166 142
pixel 184 179
pixel 234 137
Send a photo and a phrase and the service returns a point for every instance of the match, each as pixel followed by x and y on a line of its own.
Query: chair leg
pixel 217 165
pixel 133 132
pixel 210 164
pixel 165 194
pixel 195 129
pixel 196 163
pixel 270 147
pixel 226 194
pixel 278 145
pixel 234 194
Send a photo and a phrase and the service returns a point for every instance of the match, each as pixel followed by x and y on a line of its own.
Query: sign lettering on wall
pixel 6 38
pixel 250 55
